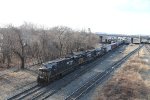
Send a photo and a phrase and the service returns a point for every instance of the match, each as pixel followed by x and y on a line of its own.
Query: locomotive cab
pixel 44 73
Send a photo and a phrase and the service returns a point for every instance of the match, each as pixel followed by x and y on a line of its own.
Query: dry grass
pixel 127 85
pixel 128 82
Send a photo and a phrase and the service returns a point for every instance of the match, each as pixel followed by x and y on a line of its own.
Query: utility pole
pixel 139 45
pixel 89 30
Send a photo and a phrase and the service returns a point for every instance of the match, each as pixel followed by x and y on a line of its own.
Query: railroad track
pixel 98 78
pixel 25 93
pixel 42 93
pixel 49 91
pixel 45 94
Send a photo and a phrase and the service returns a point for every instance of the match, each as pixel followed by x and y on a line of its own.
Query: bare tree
pixel 40 44
pixel 13 43
pixel 6 44
pixel 19 45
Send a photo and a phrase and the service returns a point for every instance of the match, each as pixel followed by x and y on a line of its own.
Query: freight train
pixel 56 69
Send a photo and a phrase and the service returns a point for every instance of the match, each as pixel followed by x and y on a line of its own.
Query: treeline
pixel 29 43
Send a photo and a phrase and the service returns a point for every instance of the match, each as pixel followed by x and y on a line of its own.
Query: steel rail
pixel 25 93
pixel 99 77
pixel 33 89
pixel 45 94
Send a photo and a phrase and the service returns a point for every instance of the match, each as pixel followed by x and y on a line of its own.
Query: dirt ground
pixel 1 68
pixel 130 82
pixel 13 81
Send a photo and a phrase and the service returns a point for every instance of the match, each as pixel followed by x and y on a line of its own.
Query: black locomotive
pixel 55 69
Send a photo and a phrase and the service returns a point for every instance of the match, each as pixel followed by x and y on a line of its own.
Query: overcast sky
pixel 114 16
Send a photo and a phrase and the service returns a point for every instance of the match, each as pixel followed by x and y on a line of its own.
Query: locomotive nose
pixel 40 79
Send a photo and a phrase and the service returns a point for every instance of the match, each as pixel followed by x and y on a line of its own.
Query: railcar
pixel 100 51
pixel 79 57
pixel 113 46
pixel 55 69
pixel 90 55
pixel 108 48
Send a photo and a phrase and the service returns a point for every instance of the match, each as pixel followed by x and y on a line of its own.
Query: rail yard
pixel 76 84
pixel 75 50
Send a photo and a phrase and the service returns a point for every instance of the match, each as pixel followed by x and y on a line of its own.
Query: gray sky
pixel 114 16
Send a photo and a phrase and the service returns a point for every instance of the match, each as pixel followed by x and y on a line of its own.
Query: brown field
pixel 130 82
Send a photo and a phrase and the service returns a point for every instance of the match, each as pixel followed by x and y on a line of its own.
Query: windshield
pixel 42 73
pixel 49 65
